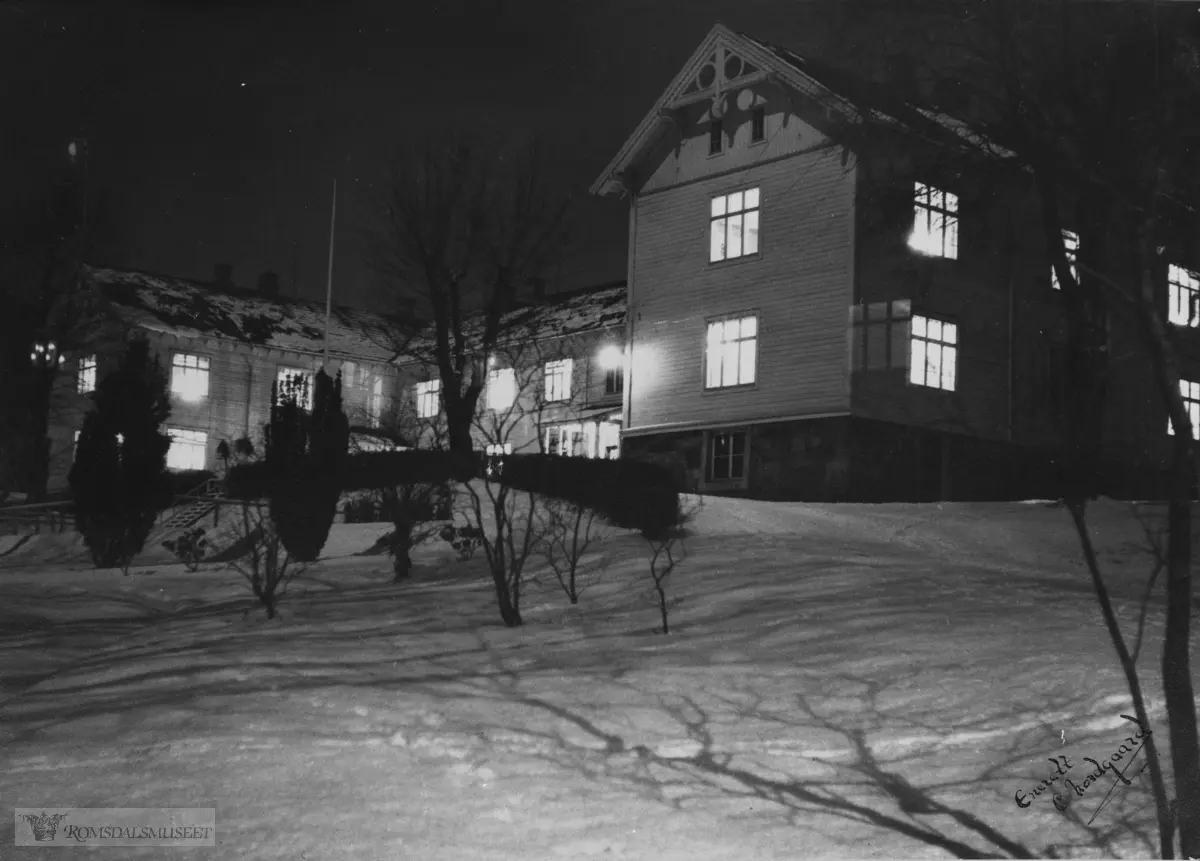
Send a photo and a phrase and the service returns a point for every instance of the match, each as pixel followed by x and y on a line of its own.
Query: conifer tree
pixel 119 480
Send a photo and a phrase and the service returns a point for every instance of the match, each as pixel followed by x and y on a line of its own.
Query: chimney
pixel 223 275
pixel 268 284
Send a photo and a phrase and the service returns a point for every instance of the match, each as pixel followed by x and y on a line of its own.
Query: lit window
pixel 731 352
pixel 1071 244
pixel 726 456
pixel 375 404
pixel 558 380
pixel 935 222
pixel 758 125
pixel 501 388
pixel 427 398
pixel 1191 402
pixel 1184 290
pixel 75 446
pixel 86 381
pixel 716 138
pixel 934 353
pixel 567 440
pixel 296 384
pixel 189 376
pixel 734 229
pixel 189 449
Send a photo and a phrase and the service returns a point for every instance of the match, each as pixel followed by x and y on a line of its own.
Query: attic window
pixel 189 376
pixel 716 138
pixel 758 125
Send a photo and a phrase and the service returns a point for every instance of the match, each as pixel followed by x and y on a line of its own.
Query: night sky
pixel 218 127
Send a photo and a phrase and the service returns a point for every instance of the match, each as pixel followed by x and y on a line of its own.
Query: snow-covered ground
pixel 866 681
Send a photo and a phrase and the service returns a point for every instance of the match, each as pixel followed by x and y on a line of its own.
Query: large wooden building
pixel 812 317
pixel 222 348
pixel 553 382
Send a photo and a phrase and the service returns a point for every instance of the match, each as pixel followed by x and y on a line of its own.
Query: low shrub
pixel 464 539
pixel 189 547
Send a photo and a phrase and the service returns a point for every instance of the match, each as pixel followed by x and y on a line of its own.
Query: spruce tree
pixel 119 480
pixel 306 452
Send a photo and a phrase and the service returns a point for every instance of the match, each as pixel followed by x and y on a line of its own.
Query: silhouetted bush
pixel 307 454
pixel 626 493
pixel 119 480
pixel 189 547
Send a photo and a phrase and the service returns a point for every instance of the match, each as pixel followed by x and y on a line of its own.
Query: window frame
pixel 551 370
pixel 202 368
pixel 740 317
pixel 950 216
pixel 758 125
pixel 493 377
pixel 893 325
pixel 922 321
pixel 1190 392
pixel 282 371
pixel 375 400
pixel 425 390
pixel 614 381
pixel 725 215
pixel 1183 284
pixel 1071 243
pixel 86 373
pixel 716 138
pixel 201 444
pixel 711 478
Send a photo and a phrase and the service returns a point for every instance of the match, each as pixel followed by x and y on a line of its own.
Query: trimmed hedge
pixel 373 470
pixel 629 494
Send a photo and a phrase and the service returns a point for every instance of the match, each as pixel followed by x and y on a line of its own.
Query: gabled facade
pixel 553 384
pixel 222 349
pixel 813 317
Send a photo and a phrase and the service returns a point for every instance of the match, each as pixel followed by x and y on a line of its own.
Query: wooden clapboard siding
pixel 997 291
pixel 238 401
pixel 799 285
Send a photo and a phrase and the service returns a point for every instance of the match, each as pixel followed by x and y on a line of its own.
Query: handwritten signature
pixel 1125 753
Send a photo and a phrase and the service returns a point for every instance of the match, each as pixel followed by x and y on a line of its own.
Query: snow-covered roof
pixel 873 100
pixel 177 306
pixel 561 316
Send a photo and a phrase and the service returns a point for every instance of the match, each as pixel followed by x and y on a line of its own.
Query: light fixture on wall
pixel 610 357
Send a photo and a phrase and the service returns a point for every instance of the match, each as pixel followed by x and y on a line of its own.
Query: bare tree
pixel 569 531
pixel 466 226
pixel 265 564
pixel 667 550
pixel 1046 80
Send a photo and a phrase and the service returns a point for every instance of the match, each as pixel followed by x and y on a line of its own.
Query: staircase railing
pixel 54 516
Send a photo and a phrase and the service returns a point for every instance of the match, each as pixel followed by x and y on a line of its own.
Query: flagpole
pixel 329 278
